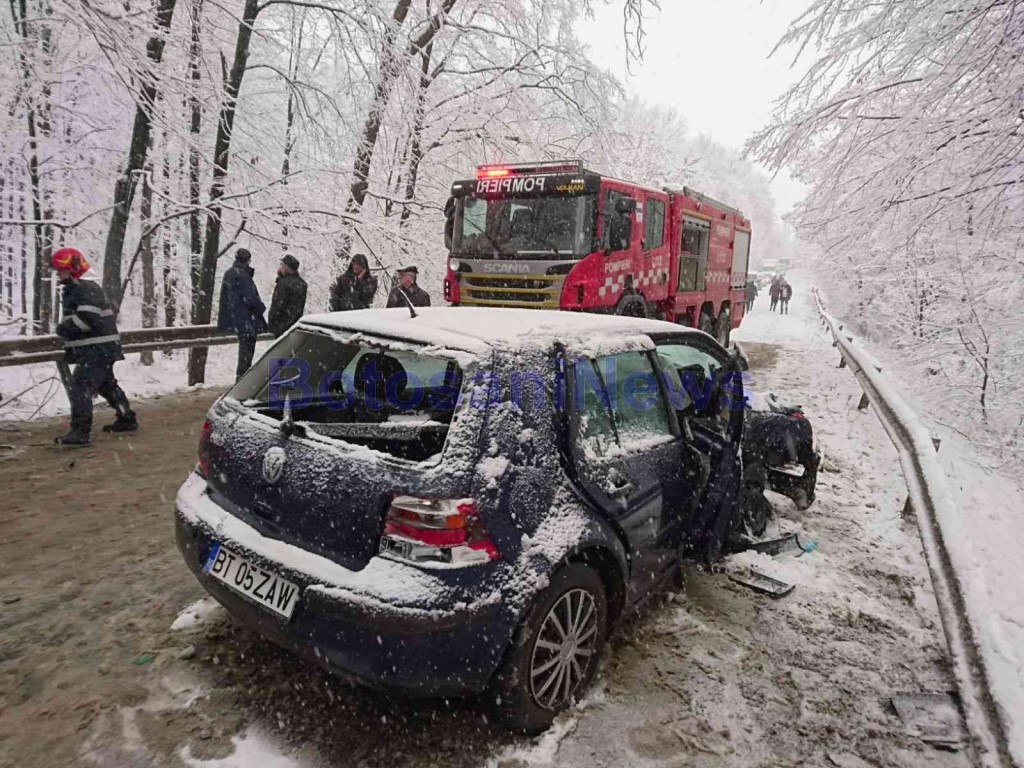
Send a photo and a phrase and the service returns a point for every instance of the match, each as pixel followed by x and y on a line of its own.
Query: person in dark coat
pixel 785 294
pixel 289 301
pixel 241 309
pixel 751 295
pixel 355 288
pixel 92 343
pixel 407 285
pixel 775 292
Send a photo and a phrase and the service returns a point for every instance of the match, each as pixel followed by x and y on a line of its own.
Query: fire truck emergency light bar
pixel 544 166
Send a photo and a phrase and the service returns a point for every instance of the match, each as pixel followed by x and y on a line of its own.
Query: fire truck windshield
pixel 525 227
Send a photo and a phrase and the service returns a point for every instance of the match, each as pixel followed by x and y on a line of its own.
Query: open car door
pixel 705 388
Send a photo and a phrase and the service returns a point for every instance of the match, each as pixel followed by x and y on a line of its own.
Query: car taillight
pixel 204 449
pixel 436 530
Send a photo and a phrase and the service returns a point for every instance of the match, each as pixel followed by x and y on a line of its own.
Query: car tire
pixel 723 328
pixel 537 663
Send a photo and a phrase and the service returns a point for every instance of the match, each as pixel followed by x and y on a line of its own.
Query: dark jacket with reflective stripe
pixel 88 328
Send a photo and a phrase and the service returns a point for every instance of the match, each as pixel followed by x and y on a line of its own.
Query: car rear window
pixel 399 401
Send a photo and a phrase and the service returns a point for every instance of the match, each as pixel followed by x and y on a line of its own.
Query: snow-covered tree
pixel 909 129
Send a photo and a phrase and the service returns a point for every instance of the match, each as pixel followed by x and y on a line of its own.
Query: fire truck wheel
pixel 706 324
pixel 724 328
pixel 632 306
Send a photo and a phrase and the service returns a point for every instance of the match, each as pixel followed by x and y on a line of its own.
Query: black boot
pixel 123 423
pixel 75 438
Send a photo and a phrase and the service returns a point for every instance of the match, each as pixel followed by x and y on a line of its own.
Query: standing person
pixel 407 285
pixel 774 292
pixel 289 301
pixel 92 342
pixel 751 295
pixel 355 288
pixel 241 309
pixel 785 295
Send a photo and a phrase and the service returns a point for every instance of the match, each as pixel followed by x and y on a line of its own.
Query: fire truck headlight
pixel 453 265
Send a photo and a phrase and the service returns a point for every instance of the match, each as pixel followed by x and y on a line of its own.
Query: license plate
pixel 268 589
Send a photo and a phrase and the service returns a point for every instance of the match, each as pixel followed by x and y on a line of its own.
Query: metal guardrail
pixel 48 349
pixel 931 500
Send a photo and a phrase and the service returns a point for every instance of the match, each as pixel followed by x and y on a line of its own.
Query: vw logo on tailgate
pixel 273 464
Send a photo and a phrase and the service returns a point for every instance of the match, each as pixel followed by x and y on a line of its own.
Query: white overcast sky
pixel 709 60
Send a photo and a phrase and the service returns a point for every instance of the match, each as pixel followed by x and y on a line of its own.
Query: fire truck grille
pixel 536 291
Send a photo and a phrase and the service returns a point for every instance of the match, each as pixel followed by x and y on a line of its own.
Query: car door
pixel 628 457
pixel 705 389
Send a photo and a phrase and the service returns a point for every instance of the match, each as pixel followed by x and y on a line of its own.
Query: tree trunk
pixel 7 244
pixel 146 253
pixel 388 72
pixel 202 299
pixel 124 188
pixel 294 52
pixel 40 234
pixel 195 232
pixel 23 277
pixel 167 248
pixel 416 140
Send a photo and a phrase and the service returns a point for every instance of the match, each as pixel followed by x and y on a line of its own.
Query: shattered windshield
pixel 530 227
pixel 379 396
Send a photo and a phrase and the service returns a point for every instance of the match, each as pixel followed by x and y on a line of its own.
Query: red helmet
pixel 70 259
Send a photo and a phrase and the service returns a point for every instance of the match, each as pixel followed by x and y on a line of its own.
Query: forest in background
pixel 159 135
pixel 908 128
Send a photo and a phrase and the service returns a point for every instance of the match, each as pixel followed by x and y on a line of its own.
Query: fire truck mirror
pixel 449 207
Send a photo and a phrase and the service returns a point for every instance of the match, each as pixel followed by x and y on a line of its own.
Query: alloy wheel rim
pixel 564 649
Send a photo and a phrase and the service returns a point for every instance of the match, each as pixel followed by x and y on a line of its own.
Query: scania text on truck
pixel 554 235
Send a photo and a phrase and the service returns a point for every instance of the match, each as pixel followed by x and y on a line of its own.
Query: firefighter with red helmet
pixel 91 341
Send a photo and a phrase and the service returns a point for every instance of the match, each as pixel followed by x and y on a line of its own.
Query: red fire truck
pixel 555 235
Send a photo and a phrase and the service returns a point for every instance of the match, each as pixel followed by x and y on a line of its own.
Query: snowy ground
pixel 31 391
pixel 92 673
pixel 986 540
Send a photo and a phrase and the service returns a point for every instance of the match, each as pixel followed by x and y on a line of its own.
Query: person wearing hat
pixel 289 301
pixel 92 343
pixel 407 285
pixel 241 309
pixel 355 288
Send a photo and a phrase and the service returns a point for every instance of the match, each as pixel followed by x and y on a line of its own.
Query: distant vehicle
pixel 555 235
pixel 404 501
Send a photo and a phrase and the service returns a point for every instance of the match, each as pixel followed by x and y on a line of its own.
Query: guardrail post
pixel 864 402
pixel 908 509
pixel 842 361
pixel 937 442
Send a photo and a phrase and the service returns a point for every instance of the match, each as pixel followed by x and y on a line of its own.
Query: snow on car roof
pixel 474 329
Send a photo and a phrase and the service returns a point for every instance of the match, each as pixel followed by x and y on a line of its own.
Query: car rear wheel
pixel 555 651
